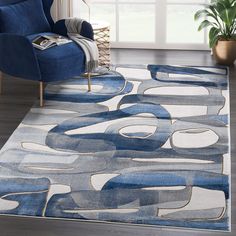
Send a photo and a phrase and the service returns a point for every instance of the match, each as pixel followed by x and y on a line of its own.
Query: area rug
pixel 148 146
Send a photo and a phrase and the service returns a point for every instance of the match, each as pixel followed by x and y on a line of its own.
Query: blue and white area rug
pixel 149 145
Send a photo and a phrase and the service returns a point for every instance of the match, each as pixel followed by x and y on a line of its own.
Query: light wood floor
pixel 18 97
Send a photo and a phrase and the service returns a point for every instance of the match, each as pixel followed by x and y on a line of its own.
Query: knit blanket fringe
pixel 74 26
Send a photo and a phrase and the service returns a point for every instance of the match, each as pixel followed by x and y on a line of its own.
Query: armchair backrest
pixel 46 8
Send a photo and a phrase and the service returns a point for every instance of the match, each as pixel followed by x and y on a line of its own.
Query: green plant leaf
pixel 213 9
pixel 200 13
pixel 214 35
pixel 219 7
pixel 232 14
pixel 225 16
pixel 221 15
pixel 205 24
pixel 213 32
pixel 204 13
pixel 213 41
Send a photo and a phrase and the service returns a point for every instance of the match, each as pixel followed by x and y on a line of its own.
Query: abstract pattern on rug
pixel 149 145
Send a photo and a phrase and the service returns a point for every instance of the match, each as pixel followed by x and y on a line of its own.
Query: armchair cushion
pixel 18 57
pixel 60 62
pixel 24 18
pixel 86 30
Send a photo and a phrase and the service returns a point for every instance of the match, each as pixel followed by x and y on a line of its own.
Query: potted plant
pixel 220 16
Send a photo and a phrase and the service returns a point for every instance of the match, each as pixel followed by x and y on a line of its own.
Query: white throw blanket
pixel 89 46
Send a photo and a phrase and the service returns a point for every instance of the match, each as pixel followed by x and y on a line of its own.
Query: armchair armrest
pixel 18 57
pixel 86 30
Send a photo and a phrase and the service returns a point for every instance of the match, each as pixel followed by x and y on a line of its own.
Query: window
pixel 159 24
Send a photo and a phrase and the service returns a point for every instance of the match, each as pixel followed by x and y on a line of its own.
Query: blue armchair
pixel 21 21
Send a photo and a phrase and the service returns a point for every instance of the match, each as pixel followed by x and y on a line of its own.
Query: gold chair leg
pixel 41 92
pixel 1 79
pixel 89 82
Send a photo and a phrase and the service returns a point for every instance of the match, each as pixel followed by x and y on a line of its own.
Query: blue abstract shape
pixel 184 70
pixel 221 224
pixel 113 84
pixel 59 203
pixel 18 185
pixel 30 204
pixel 188 71
pixel 31 195
pixel 111 136
pixel 173 178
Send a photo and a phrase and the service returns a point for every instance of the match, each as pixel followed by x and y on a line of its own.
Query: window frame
pixel 160 16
